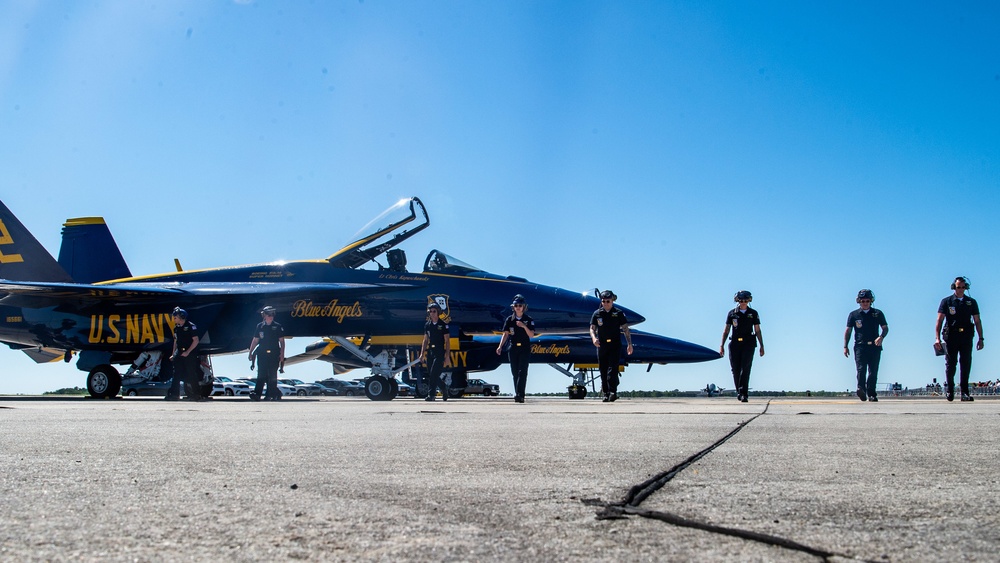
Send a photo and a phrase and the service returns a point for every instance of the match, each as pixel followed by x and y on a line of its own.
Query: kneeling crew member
pixel 745 324
pixel 866 323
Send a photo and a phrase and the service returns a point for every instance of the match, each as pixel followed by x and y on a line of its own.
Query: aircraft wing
pixel 37 295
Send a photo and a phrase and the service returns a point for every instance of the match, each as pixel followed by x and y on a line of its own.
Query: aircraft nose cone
pixel 633 317
pixel 661 349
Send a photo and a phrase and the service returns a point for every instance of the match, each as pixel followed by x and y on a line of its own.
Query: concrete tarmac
pixel 341 479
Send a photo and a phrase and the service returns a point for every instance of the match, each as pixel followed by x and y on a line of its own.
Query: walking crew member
pixel 745 324
pixel 436 351
pixel 268 345
pixel 962 313
pixel 186 366
pixel 606 326
pixel 519 328
pixel 866 323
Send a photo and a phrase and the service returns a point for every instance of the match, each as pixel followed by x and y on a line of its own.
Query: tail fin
pixel 89 253
pixel 22 257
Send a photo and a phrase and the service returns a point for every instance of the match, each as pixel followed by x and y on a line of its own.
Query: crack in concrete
pixel 629 505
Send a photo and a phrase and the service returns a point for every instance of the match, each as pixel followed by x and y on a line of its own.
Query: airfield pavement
pixel 477 479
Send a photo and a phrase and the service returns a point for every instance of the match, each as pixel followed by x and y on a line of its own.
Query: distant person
pixel 519 328
pixel 745 325
pixel 962 314
pixel 268 347
pixel 606 326
pixel 436 351
pixel 870 329
pixel 186 364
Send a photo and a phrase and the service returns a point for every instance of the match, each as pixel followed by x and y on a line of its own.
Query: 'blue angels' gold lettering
pixel 333 309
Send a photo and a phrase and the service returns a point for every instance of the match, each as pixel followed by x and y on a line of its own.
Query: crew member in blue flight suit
pixel 962 314
pixel 435 350
pixel 268 346
pixel 519 328
pixel 186 365
pixel 745 325
pixel 867 322
pixel 606 326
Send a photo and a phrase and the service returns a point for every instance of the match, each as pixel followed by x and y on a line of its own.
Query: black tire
pixel 229 392
pixel 377 388
pixel 349 393
pixel 131 393
pixel 301 392
pixel 455 393
pixel 393 388
pixel 104 382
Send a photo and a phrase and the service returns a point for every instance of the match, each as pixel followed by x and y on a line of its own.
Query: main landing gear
pixel 382 385
pixel 104 382
pixel 578 390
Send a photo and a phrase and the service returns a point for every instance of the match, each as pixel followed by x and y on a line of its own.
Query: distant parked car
pixel 229 387
pixel 302 388
pixel 405 390
pixel 327 390
pixel 480 387
pixel 346 388
pixel 285 389
pixel 147 389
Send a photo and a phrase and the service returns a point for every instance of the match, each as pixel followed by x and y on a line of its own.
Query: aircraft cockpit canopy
pixel 383 233
pixel 440 263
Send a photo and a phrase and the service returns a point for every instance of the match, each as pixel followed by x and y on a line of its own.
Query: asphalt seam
pixel 638 493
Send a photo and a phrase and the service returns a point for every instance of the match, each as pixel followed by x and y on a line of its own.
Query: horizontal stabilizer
pixel 45 355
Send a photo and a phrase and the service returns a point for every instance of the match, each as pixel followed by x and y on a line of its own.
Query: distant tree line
pixel 67 391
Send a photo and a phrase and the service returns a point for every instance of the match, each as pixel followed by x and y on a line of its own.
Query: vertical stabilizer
pixel 89 253
pixel 22 257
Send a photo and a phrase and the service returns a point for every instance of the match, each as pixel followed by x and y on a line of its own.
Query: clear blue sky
pixel 674 152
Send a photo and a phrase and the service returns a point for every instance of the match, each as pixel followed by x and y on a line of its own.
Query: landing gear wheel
pixel 577 392
pixel 104 382
pixel 393 389
pixel 377 388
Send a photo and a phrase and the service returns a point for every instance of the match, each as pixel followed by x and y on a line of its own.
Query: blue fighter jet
pixel 573 355
pixel 89 305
